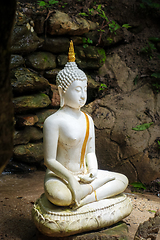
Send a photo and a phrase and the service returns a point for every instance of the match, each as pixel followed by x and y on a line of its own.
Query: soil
pixel 18 192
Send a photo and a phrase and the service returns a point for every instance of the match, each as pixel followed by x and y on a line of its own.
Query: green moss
pixel 102 55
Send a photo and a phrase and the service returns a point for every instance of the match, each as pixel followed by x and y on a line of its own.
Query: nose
pixel 82 95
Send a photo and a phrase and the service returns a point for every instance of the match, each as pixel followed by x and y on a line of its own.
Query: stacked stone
pixel 35 62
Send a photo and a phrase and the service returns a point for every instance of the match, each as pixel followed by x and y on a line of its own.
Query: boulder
pixel 55 99
pixel 30 102
pixel 42 115
pixel 56 45
pixel 29 153
pixel 41 61
pixel 119 147
pixel 26 120
pixel 90 57
pixel 51 75
pixel 16 61
pixel 117 69
pixel 61 23
pixel 24 80
pixel 28 134
pixel 24 41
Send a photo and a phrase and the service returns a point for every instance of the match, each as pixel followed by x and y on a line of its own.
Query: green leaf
pixel 126 26
pixel 142 127
pixel 138 185
pixel 135 80
pixel 83 14
pixel 42 3
pixel 156 75
pixel 154 39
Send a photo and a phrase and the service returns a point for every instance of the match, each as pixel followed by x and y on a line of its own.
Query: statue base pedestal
pixel 118 231
pixel 54 221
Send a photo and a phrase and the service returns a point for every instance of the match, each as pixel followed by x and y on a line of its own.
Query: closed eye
pixel 78 89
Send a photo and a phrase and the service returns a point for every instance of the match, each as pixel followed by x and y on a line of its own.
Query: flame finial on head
pixel 71 54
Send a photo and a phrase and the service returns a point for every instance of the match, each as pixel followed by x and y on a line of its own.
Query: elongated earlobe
pixel 60 90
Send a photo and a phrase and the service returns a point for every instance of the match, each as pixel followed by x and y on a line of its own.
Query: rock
pixel 26 120
pixel 60 23
pixel 30 153
pixel 18 167
pixel 55 99
pixel 39 24
pixel 117 232
pixel 119 147
pixel 51 75
pixel 24 41
pixel 56 45
pixel 92 89
pixel 62 60
pixel 16 61
pixel 42 115
pixel 90 57
pixel 23 80
pixel 118 70
pixel 103 39
pixel 41 61
pixel 32 102
pixel 28 134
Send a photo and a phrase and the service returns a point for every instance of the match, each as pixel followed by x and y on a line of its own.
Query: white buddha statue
pixel 72 177
pixel 78 196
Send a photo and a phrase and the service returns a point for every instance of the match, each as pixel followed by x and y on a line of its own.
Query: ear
pixel 61 93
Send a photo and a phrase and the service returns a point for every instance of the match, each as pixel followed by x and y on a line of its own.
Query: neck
pixel 72 111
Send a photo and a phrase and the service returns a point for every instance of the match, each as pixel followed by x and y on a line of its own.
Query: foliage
pixel 47 4
pixel 150 4
pixel 148 50
pixel 103 54
pixel 86 41
pixel 158 143
pixel 138 185
pixel 142 127
pixel 156 85
pixel 102 87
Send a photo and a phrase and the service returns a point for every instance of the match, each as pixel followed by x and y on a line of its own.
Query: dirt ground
pixel 18 192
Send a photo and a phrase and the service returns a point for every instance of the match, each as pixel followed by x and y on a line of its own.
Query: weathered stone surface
pixel 119 147
pixel 39 24
pixel 106 39
pixel 118 232
pixel 56 45
pixel 26 120
pixel 41 61
pixel 32 102
pixel 55 100
pixel 29 153
pixel 90 57
pixel 60 23
pixel 23 80
pixel 29 134
pixel 92 89
pixel 42 115
pixel 62 60
pixel 16 60
pixel 24 41
pixel 51 75
pixel 117 69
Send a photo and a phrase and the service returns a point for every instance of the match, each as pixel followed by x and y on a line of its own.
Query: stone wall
pixel 39 51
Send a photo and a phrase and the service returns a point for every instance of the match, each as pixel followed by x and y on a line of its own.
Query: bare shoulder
pixel 53 120
pixel 90 119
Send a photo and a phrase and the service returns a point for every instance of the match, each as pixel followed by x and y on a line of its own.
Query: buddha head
pixel 70 75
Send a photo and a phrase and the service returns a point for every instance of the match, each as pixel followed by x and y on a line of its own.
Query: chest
pixel 72 132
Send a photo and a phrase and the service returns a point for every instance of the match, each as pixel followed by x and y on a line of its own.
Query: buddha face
pixel 76 94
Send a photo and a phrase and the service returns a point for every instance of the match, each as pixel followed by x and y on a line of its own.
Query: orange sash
pixel 85 141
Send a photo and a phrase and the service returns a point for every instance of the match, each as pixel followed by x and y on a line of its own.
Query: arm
pixel 51 135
